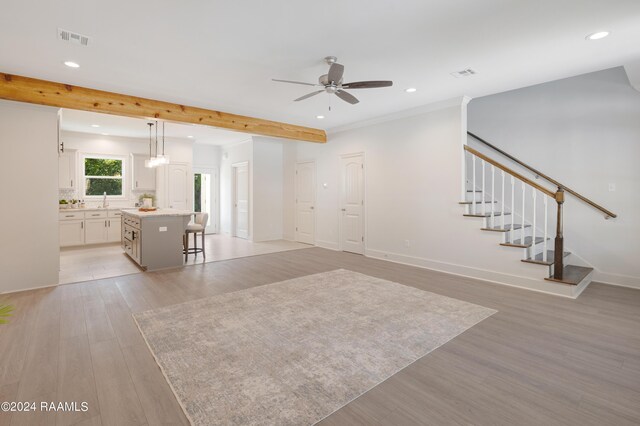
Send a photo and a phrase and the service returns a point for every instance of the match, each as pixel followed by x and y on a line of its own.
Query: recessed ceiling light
pixel 319 117
pixel 71 64
pixel 190 137
pixel 410 90
pixel 597 36
pixel 95 125
pixel 105 134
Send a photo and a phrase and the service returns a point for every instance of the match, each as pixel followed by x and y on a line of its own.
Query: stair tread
pixel 550 258
pixel 572 274
pixel 486 214
pixel 471 190
pixel 527 242
pixel 477 202
pixel 506 228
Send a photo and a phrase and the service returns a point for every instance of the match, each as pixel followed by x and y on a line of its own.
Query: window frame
pixel 84 177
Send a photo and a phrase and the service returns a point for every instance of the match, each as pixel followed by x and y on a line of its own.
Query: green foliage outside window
pixel 197 184
pixel 103 175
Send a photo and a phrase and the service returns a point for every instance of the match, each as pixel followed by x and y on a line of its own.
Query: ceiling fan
pixel 332 83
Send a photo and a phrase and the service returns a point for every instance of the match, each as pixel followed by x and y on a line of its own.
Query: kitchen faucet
pixel 104 201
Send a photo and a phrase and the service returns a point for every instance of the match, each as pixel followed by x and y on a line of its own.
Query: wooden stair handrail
pixel 511 172
pixel 608 213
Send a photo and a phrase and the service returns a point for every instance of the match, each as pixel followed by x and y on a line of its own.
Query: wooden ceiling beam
pixel 42 92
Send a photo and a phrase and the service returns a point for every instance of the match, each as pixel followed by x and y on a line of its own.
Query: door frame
pixel 364 200
pixel 315 195
pixel 215 206
pixel 234 193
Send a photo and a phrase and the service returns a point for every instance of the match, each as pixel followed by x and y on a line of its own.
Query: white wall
pixel 584 132
pixel 267 189
pixel 29 250
pixel 232 154
pixel 178 150
pixel 413 182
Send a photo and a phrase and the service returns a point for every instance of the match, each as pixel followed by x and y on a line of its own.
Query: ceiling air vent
pixel 66 35
pixel 467 72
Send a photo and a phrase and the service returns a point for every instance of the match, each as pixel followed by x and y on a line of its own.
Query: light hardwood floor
pixel 540 360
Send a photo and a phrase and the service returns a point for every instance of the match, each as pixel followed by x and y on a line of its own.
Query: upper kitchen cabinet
pixel 67 169
pixel 144 179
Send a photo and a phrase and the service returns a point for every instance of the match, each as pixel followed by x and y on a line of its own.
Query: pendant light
pixel 162 159
pixel 150 163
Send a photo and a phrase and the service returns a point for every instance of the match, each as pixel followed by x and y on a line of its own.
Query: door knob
pixel 311 207
pixel 344 210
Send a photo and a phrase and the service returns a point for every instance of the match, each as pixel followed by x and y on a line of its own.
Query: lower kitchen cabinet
pixel 114 230
pixel 90 227
pixel 71 233
pixel 96 231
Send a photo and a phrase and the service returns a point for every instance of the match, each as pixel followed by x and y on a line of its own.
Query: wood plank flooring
pixel 540 360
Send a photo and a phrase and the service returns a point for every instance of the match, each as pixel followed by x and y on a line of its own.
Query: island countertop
pixel 159 212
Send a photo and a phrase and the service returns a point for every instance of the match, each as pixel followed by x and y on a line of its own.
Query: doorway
pixel 205 196
pixel 240 215
pixel 352 203
pixel 305 202
pixel 178 177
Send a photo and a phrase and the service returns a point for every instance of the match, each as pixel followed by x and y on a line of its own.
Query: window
pixel 103 175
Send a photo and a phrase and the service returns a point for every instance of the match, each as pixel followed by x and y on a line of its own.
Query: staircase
pixel 519 210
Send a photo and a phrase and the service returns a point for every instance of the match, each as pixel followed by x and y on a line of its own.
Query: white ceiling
pixel 222 54
pixel 113 125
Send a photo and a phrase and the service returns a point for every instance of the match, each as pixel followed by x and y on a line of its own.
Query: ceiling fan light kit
pixel 332 84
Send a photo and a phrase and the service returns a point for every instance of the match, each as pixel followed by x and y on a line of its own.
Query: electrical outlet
pixel 612 187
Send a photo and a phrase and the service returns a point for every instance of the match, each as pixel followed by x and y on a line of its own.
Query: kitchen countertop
pixel 159 212
pixel 94 209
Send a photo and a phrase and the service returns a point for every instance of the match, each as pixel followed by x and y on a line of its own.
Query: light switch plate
pixel 162 229
pixel 612 187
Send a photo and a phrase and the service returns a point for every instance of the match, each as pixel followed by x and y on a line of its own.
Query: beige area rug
pixel 293 352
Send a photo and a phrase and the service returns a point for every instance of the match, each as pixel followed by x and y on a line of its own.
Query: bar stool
pixel 198 226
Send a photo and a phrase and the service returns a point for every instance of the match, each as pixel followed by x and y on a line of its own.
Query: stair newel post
pixel 559 242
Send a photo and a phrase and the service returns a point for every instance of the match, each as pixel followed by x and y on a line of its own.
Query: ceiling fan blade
pixel 301 98
pixel 294 82
pixel 335 72
pixel 348 97
pixel 367 84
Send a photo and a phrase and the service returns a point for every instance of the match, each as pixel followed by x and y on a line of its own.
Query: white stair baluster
pixel 544 245
pixel 513 210
pixel 523 205
pixel 503 207
pixel 493 193
pixel 484 208
pixel 473 187
pixel 533 228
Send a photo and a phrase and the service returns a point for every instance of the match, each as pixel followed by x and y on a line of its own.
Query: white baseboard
pixel 328 245
pixel 616 279
pixel 540 286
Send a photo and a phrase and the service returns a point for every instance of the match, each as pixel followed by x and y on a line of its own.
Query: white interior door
pixel 352 203
pixel 178 184
pixel 305 202
pixel 241 200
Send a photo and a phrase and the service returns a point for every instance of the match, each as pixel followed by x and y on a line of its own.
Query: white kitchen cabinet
pixel 96 231
pixel 71 233
pixel 67 170
pixel 143 178
pixel 114 229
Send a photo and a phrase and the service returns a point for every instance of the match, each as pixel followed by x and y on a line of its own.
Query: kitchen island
pixel 154 239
